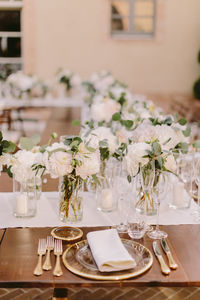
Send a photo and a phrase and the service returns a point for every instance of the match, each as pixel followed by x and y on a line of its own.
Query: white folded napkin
pixel 108 251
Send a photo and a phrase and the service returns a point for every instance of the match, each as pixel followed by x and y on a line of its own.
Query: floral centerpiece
pixel 73 161
pixel 154 145
pixel 71 81
pixel 21 84
pixel 100 84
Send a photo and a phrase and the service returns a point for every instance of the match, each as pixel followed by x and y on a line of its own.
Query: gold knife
pixel 173 265
pixel 164 268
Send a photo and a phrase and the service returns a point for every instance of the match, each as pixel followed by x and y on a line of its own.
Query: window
pixel 10 36
pixel 133 17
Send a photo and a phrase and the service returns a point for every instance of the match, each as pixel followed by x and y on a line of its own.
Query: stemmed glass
pixel 197 180
pixel 122 187
pixel 160 191
pixel 147 176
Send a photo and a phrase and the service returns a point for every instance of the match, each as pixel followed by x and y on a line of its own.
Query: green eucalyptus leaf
pixel 27 143
pixel 156 148
pixel 90 149
pixel 76 123
pixel 1 136
pixel 182 121
pixel 196 144
pixel 128 123
pixel 129 178
pixel 116 117
pixel 183 147
pixel 9 148
pixel 168 121
pixel 187 132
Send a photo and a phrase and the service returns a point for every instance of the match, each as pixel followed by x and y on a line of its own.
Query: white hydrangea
pixel 134 158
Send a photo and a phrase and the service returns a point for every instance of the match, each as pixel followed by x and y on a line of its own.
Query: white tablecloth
pixel 47 213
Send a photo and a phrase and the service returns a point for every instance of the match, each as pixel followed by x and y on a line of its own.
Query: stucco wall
pixel 76 34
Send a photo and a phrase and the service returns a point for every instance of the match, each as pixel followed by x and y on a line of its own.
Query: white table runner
pixel 47 213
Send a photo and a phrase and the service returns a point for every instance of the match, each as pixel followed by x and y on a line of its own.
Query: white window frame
pixel 12 5
pixel 132 33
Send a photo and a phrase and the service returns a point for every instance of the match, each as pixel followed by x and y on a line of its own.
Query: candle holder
pixel 105 195
pixel 25 198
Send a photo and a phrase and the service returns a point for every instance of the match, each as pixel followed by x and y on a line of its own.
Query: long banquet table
pixel 18 248
pixel 18 258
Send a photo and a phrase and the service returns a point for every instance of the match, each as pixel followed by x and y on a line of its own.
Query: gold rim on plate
pixel 75 256
pixel 67 233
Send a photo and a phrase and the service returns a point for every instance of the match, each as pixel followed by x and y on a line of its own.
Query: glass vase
pixel 71 200
pixel 145 203
pixel 25 198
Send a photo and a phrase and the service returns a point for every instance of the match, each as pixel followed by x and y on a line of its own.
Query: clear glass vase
pixel 25 198
pixel 71 200
pixel 144 202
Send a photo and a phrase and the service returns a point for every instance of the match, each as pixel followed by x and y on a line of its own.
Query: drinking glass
pixel 197 180
pixel 160 190
pixel 136 220
pixel 123 192
pixel 147 176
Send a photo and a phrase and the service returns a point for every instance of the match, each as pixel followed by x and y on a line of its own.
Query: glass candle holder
pixel 25 198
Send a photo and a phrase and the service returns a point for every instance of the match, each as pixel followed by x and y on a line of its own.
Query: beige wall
pixel 75 34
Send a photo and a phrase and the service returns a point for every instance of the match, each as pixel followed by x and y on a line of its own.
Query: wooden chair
pixel 5 117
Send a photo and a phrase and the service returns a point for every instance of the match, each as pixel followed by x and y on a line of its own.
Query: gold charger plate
pixel 67 233
pixel 78 259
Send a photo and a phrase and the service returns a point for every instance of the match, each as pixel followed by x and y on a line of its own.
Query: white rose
pixel 58 163
pixel 134 157
pixel 21 164
pixel 90 164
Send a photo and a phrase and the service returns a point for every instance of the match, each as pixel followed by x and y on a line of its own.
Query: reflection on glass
pixel 143 25
pixel 144 8
pixel 120 24
pixel 10 47
pixel 10 20
pixel 120 8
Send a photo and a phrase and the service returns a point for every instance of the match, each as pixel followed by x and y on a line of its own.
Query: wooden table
pixel 18 257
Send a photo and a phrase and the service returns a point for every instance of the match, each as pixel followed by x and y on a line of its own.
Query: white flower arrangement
pixel 71 158
pixel 21 164
pixel 21 84
pixel 69 79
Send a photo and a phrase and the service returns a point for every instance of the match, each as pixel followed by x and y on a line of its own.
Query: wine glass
pixel 147 176
pixel 160 190
pixel 197 181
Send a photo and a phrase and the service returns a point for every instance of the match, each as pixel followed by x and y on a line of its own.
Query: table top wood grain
pixel 18 257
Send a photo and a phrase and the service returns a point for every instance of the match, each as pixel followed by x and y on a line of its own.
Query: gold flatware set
pixel 164 267
pixel 45 246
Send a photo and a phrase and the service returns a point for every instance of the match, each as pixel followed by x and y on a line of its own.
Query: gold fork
pixel 58 252
pixel 50 245
pixel 41 251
